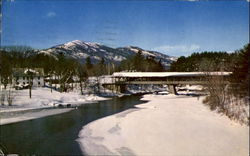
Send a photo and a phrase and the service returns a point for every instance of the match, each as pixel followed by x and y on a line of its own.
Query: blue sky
pixel 172 27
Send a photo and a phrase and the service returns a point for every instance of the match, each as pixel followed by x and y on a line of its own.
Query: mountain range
pixel 81 50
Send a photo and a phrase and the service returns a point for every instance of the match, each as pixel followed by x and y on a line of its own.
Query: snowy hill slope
pixel 81 50
pixel 165 59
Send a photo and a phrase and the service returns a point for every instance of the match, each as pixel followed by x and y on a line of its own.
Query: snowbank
pixel 41 98
pixel 33 115
pixel 166 125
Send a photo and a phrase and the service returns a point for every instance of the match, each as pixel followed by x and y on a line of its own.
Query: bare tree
pixel 10 96
pixel 30 73
pixel 217 88
pixel 2 97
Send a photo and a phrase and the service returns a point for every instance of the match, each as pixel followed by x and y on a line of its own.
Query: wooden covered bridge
pixel 119 80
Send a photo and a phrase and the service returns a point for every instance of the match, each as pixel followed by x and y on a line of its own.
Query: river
pixel 56 135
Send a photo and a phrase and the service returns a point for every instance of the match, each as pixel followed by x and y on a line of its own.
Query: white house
pixel 23 76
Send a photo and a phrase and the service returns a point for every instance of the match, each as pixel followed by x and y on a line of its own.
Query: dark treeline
pixel 241 71
pixel 17 48
pixel 139 63
pixel 205 61
pixel 236 62
pixel 62 69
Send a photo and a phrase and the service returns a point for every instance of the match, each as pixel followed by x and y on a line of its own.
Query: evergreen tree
pixel 217 61
pixel 138 61
pixel 82 75
pixel 241 72
pixel 88 63
pixel 5 68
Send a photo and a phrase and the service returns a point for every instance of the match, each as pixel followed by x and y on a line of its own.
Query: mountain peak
pixel 80 50
pixel 75 42
pixel 82 43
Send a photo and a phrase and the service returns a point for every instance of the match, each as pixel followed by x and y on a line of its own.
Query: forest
pixel 65 68
pixel 236 62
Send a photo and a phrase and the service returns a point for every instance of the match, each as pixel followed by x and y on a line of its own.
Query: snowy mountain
pixel 81 50
pixel 165 59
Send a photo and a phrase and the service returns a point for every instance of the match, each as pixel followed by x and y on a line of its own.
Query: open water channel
pixel 56 135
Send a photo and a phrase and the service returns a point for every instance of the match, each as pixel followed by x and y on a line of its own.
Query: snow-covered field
pixel 166 125
pixel 41 98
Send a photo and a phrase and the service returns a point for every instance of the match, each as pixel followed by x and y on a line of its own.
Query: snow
pixel 103 50
pixel 172 58
pixel 143 51
pixel 95 45
pixel 69 45
pixel 166 74
pixel 192 87
pixel 32 115
pixel 106 79
pixel 30 70
pixel 97 57
pixel 43 98
pixel 118 58
pixel 94 49
pixel 166 124
pixel 81 43
pixel 84 55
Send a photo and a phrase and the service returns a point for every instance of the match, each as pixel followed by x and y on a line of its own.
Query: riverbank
pixel 165 125
pixel 55 135
pixel 41 104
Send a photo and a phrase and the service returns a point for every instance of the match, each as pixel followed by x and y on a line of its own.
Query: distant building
pixel 23 76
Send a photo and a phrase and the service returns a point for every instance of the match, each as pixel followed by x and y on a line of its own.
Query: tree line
pixel 140 63
pixel 236 62
pixel 205 61
pixel 63 69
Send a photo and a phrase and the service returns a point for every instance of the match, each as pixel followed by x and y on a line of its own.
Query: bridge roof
pixel 168 74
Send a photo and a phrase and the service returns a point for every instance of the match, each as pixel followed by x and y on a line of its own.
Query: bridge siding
pixel 120 82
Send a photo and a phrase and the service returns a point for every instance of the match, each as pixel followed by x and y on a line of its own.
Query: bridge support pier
pixel 172 89
pixel 116 87
pixel 121 88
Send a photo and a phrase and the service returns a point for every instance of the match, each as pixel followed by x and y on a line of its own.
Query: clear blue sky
pixel 173 27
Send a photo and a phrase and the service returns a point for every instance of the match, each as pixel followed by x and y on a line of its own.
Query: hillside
pixel 81 50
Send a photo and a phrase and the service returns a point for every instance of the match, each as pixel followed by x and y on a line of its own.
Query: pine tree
pixel 241 72
pixel 88 63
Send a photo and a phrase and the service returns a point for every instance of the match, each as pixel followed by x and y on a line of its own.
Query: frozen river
pixel 56 135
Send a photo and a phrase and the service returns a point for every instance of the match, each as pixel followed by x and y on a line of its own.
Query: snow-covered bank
pixel 41 98
pixel 166 125
pixel 33 115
